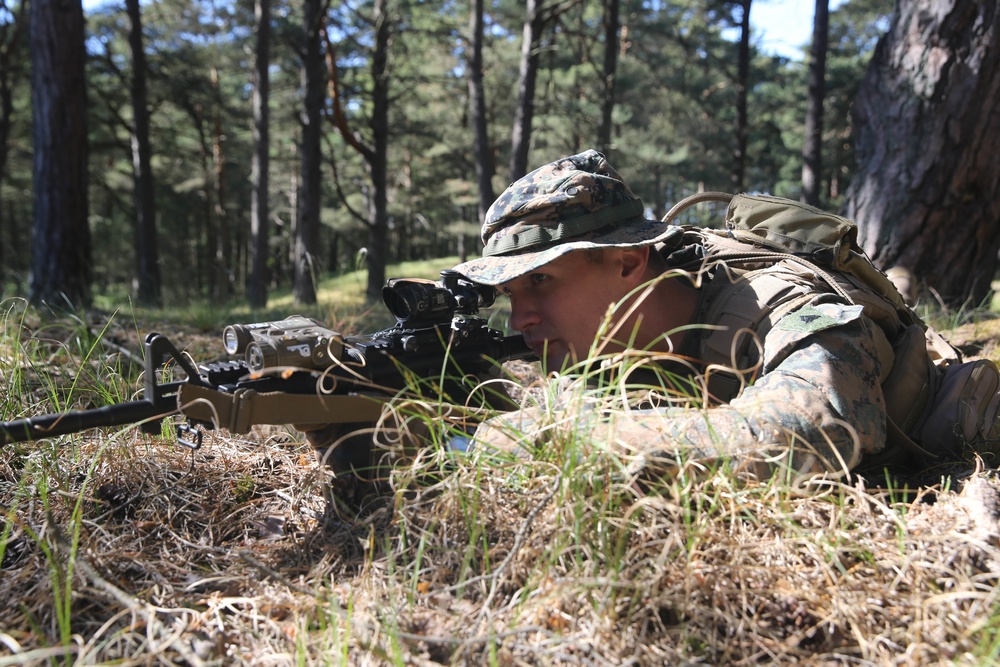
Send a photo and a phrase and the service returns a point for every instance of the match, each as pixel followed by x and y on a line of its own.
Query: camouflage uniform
pixel 817 400
pixel 816 404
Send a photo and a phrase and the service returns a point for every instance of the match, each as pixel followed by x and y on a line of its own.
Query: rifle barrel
pixel 74 421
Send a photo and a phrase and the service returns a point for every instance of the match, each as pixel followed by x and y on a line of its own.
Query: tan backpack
pixel 778 255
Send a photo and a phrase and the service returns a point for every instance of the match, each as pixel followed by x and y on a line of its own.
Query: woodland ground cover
pixel 121 548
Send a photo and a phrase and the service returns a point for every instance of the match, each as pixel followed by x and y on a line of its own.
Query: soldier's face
pixel 559 307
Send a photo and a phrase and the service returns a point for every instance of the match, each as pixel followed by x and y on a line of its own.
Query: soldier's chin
pixel 556 358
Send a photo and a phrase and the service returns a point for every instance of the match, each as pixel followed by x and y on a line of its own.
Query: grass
pixel 340 303
pixel 121 548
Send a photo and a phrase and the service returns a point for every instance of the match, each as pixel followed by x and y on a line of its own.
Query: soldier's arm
pixel 816 408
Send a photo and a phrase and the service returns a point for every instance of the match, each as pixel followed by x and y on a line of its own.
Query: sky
pixel 784 26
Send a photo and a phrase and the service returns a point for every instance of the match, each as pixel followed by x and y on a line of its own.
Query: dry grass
pixel 120 548
pixel 226 556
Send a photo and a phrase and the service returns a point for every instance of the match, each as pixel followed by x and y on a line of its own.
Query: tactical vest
pixel 774 256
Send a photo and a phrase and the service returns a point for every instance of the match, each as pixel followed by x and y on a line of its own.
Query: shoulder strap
pixel 238 411
pixel 740 309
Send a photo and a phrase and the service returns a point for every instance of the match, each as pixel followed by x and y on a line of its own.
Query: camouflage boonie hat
pixel 575 203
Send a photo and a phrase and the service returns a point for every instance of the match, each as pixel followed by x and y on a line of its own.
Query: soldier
pixel 570 240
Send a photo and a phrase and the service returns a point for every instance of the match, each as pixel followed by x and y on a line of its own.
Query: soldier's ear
pixel 634 262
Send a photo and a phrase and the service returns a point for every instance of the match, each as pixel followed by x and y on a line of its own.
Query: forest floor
pixel 978 339
pixel 121 548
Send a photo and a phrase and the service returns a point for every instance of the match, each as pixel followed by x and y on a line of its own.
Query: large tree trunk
pixel 146 246
pixel 307 227
pixel 378 229
pixel 927 192
pixel 610 73
pixel 477 111
pixel 257 288
pixel 812 147
pixel 61 268
pixel 738 174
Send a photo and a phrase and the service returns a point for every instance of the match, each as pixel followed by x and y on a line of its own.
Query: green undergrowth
pixel 340 299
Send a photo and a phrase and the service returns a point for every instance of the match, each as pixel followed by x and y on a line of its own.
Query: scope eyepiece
pixel 469 296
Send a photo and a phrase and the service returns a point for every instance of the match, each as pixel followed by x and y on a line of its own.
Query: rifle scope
pixel 415 300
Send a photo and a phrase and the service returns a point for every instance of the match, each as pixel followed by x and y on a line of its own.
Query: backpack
pixel 778 254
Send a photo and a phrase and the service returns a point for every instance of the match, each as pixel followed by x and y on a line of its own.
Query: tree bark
pixel 307 228
pixel 927 192
pixel 206 252
pixel 61 269
pixel 146 246
pixel 477 111
pixel 812 147
pixel 259 209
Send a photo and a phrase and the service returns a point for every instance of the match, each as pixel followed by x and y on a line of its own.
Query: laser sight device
pixel 297 341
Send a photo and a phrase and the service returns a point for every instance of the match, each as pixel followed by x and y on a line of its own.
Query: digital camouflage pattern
pixel 809 395
pixel 816 408
pixel 575 203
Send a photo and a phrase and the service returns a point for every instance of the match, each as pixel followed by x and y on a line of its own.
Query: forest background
pixel 266 146
pixel 192 153
pixel 210 151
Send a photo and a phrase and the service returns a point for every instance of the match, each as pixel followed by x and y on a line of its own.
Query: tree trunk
pixel 61 269
pixel 259 210
pixel 738 174
pixel 10 69
pixel 224 250
pixel 378 230
pixel 146 245
pixel 610 73
pixel 812 147
pixel 208 250
pixel 927 192
pixel 307 228
pixel 374 154
pixel 520 141
pixel 477 111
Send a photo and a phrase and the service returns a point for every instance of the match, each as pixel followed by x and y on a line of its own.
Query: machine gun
pixel 296 371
